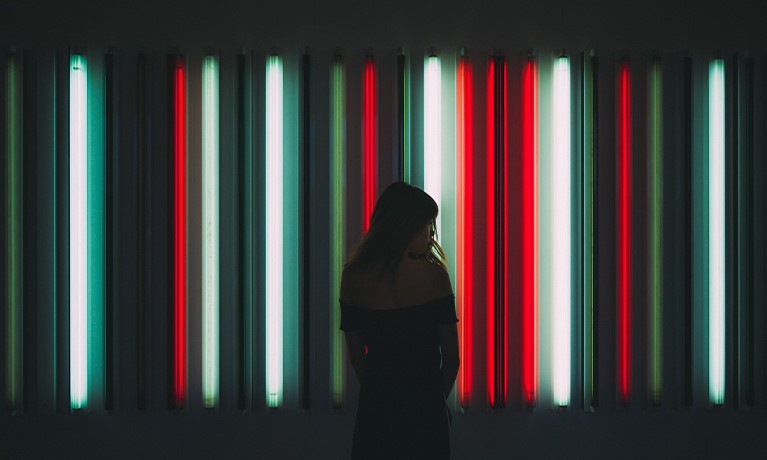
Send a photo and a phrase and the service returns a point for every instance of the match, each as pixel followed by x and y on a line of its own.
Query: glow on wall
pixel 369 142
pixel 78 231
pixel 179 233
pixel 561 233
pixel 529 224
pixel 716 225
pixel 13 193
pixel 655 210
pixel 338 221
pixel 624 232
pixel 496 229
pixel 465 236
pixel 210 231
pixel 274 231
pixel 432 131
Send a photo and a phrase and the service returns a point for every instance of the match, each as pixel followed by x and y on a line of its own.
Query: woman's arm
pixel 355 345
pixel 448 342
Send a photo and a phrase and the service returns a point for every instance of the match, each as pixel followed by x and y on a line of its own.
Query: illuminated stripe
pixel 589 137
pixel 432 131
pixel 403 167
pixel 369 143
pixel 561 221
pixel 14 233
pixel 465 221
pixel 496 232
pixel 78 231
pixel 337 222
pixel 624 233
pixel 210 231
pixel 530 232
pixel 655 280
pixel 716 280
pixel 179 233
pixel 274 232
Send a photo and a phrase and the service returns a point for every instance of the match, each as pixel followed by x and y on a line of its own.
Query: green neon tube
pixel 561 271
pixel 78 231
pixel 338 219
pixel 716 248
pixel 274 232
pixel 655 189
pixel 14 231
pixel 408 169
pixel 432 131
pixel 588 230
pixel 210 231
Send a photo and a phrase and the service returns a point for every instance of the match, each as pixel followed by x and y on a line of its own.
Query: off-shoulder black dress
pixel 402 413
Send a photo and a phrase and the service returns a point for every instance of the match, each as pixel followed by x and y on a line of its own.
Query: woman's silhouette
pixel 398 313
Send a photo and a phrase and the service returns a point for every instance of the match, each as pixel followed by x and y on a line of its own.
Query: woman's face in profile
pixel 422 239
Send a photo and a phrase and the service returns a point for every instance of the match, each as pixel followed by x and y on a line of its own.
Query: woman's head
pixel 403 220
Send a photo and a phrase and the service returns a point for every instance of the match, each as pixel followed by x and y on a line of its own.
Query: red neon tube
pixel 369 154
pixel 497 338
pixel 624 233
pixel 465 219
pixel 179 235
pixel 530 233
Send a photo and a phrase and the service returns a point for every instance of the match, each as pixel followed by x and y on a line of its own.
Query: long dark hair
pixel 401 212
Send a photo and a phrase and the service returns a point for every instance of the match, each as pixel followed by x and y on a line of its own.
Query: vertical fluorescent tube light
pixel 716 223
pixel 210 231
pixel 624 232
pixel 14 231
pixel 589 202
pixel 141 230
pixel 561 233
pixel 530 232
pixel 497 230
pixel 432 130
pixel 78 231
pixel 369 142
pixel 403 169
pixel 179 232
pixel 655 190
pixel 337 219
pixel 274 231
pixel 465 221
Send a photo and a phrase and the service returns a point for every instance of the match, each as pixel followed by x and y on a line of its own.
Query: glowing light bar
pixel 432 130
pixel 13 192
pixel 78 231
pixel 403 159
pixel 274 231
pixel 529 225
pixel 497 338
pixel 465 238
pixel 179 233
pixel 338 221
pixel 589 246
pixel 624 233
pixel 716 275
pixel 655 266
pixel 561 221
pixel 370 143
pixel 210 231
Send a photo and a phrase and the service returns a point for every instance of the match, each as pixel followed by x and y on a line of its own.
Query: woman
pixel 398 313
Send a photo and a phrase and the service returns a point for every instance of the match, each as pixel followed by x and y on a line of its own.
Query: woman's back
pixel 402 410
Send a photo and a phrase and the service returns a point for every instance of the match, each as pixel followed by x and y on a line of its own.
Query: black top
pixel 402 411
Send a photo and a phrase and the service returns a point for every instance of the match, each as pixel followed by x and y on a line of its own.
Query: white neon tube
pixel 210 231
pixel 561 232
pixel 274 231
pixel 716 171
pixel 78 231
pixel 432 123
